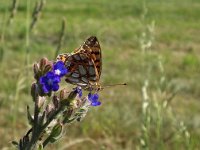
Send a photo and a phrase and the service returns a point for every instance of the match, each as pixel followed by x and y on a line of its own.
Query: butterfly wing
pixel 91 47
pixel 82 70
pixel 84 64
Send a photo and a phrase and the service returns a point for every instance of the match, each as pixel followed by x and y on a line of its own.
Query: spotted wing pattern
pixel 92 48
pixel 84 64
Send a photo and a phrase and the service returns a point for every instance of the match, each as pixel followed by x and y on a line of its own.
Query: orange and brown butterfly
pixel 84 64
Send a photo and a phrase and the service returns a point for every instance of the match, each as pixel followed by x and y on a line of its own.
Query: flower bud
pixel 67 115
pixel 36 71
pixel 34 91
pixel 48 67
pixel 63 94
pixel 49 110
pixel 42 63
pixel 80 101
pixel 41 101
pixel 72 95
pixel 67 98
pixel 55 101
pixel 70 99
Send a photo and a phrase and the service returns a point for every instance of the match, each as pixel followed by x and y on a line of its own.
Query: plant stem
pixel 46 141
pixel 27 34
pixel 35 133
pixel 13 11
pixel 61 38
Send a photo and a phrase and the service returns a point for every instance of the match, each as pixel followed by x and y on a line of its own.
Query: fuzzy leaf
pixel 30 118
pixel 15 143
pixel 56 133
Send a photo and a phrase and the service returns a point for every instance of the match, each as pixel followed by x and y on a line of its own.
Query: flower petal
pixel 49 82
pixel 58 64
pixel 43 80
pixel 96 103
pixel 50 74
pixel 56 79
pixel 90 96
pixel 46 88
pixel 93 98
pixel 55 87
pixel 60 69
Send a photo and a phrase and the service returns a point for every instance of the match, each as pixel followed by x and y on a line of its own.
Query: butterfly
pixel 84 64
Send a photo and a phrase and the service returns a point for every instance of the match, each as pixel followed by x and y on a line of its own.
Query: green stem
pixel 27 34
pixel 61 38
pixel 35 130
pixel 159 125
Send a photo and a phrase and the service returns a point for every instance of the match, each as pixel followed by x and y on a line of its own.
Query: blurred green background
pixel 153 46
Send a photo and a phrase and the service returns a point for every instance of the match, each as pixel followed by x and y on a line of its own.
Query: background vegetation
pixel 153 46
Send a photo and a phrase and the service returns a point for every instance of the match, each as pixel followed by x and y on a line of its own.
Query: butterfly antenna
pixel 113 85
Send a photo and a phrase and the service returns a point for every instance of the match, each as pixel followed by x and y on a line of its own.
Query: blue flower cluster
pixel 50 81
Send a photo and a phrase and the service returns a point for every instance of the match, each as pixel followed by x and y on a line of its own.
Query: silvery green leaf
pixel 30 118
pixel 56 133
pixel 15 143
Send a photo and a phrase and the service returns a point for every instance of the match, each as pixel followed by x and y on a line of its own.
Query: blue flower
pixel 49 82
pixel 79 91
pixel 93 98
pixel 60 69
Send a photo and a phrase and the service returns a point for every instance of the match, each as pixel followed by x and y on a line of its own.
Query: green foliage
pixel 191 61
